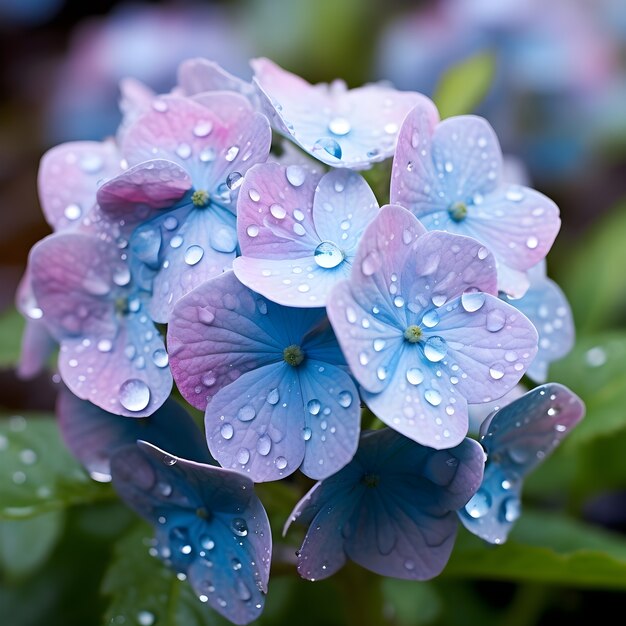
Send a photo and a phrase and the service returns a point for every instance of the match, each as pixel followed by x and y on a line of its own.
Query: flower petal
pixel 93 435
pixel 339 127
pixel 517 438
pixel 438 164
pixel 200 75
pixel 68 179
pixel 137 192
pixel 256 423
pixel 209 525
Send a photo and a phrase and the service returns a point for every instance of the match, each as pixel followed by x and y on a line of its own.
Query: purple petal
pixel 212 140
pixel 513 282
pixel 209 523
pixel 93 435
pixel 256 424
pixel 392 509
pixel 292 254
pixel 219 331
pixel 68 179
pixel 343 128
pixel 517 438
pixel 137 192
pixel 438 164
pixel 547 308
pixel 200 75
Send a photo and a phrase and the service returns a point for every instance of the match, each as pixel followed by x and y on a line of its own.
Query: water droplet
pixel 273 396
pixel 472 300
pixel 193 255
pixel 496 319
pixel 313 406
pixel 234 180
pixel 439 299
pixel 345 399
pixel 430 318
pixel 448 166
pixel 184 151
pixel 414 375
pixel 207 543
pixel 252 230
pixel 515 194
pixel 496 371
pixel 231 153
pixel 203 128
pixel 328 255
pixel 398 301
pixel 134 395
pixel 243 456
pixel 72 212
pixel 381 373
pixel 379 344
pixel 91 163
pixel 391 128
pixel 246 413
pixel 532 242
pixel 227 431
pixel 278 211
pixel 145 618
pixel 511 509
pixel 435 349
pixel 105 345
pixel 243 592
pixel 206 316
pixel 433 397
pixel 329 145
pixel 483 253
pixel 264 445
pixel 239 527
pixel 370 264
pixel 280 462
pixel 339 126
pixel 207 155
pixel 307 433
pixel 160 358
pixel 295 175
pixel 479 504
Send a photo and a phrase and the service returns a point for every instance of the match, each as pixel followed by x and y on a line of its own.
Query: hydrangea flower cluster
pixel 291 308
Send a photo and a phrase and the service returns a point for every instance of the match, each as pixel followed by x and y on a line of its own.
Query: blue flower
pixel 449 175
pixel 421 330
pixel 111 353
pixel 187 157
pixel 272 379
pixel 299 231
pixel 209 525
pixel 93 435
pixel 392 510
pixel 517 438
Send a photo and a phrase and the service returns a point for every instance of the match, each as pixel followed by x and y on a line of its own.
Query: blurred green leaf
pixel 410 603
pixel 143 591
pixel 593 277
pixel 545 548
pixel 11 328
pixel 463 87
pixel 26 544
pixel 595 370
pixel 37 473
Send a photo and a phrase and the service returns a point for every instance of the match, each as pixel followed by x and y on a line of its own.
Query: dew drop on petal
pixel 203 128
pixel 329 145
pixel 278 211
pixel 246 413
pixel 327 255
pixel 72 212
pixel 273 396
pixel 134 395
pixel 313 406
pixel 252 230
pixel 511 509
pixel 339 126
pixel 433 397
pixel 496 371
pixel 479 504
pixel 160 358
pixel 264 445
pixel 496 319
pixel 307 433
pixel 414 375
pixel 243 456
pixel 472 300
pixel 345 399
pixel 193 255
pixel 227 431
pixel 295 175
pixel 379 344
pixel 280 462
pixel 430 318
pixel 239 527
pixel 184 151
pixel 234 180
pixel 532 242
pixel 105 345
pixel 232 153
pixel 435 349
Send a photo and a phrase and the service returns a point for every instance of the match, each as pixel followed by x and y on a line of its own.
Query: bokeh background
pixel 554 75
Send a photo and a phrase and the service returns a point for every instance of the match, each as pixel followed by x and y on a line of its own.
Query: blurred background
pixel 555 91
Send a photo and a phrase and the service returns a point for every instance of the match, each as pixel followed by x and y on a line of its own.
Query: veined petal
pixel 200 75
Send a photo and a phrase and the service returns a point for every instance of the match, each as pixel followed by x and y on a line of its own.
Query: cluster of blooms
pixel 290 300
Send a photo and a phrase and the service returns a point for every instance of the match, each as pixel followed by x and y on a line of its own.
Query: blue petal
pixel 209 525
pixel 93 435
pixel 517 438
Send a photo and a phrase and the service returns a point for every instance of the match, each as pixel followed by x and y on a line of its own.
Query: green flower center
pixel 293 355
pixel 200 198
pixel 413 333
pixel 458 211
pixel 203 513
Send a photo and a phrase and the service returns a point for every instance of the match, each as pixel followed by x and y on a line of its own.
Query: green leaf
pixel 593 276
pixel 37 473
pixel 410 603
pixel 595 371
pixel 26 544
pixel 548 549
pixel 11 329
pixel 463 87
pixel 144 591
